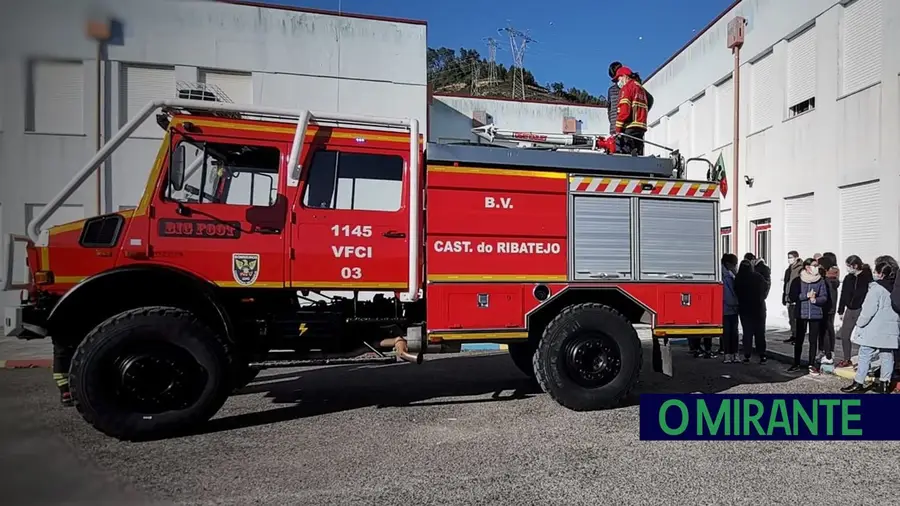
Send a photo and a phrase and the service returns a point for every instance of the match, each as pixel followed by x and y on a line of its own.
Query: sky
pixel 575 43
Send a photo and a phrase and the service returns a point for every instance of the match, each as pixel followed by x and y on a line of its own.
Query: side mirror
pixel 176 168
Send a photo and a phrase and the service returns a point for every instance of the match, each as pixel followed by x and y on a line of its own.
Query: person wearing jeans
pixel 810 295
pixel 729 309
pixel 853 292
pixel 877 331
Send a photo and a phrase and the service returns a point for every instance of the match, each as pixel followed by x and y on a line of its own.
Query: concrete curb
pixel 27 363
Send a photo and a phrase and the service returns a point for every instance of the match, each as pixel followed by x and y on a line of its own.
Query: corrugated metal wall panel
pixel 139 85
pixel 800 225
pixel 238 87
pixel 724 113
pixel 602 238
pixel 762 93
pixel 858 230
pixel 58 97
pixel 801 78
pixel 861 45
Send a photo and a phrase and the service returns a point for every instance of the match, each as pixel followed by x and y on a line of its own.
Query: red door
pixel 352 221
pixel 227 224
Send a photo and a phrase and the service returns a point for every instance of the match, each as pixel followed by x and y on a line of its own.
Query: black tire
pixel 522 354
pixel 182 361
pixel 610 335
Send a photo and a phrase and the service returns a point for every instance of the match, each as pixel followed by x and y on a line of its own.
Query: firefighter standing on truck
pixel 632 109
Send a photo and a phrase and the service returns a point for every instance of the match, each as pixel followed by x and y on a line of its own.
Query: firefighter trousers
pixel 633 144
pixel 62 360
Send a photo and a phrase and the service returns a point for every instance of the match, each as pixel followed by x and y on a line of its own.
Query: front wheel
pixel 149 372
pixel 589 357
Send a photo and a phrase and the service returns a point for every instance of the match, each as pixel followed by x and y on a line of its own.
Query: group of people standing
pixel 866 303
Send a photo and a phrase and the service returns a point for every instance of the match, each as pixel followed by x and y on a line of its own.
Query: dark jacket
pixel 790 274
pixel 750 288
pixel 612 96
pixel 854 292
pixel 832 283
pixel 895 295
pixel 766 273
pixel 805 309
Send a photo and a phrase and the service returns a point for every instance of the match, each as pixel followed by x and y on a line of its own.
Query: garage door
pixel 799 225
pixel 859 231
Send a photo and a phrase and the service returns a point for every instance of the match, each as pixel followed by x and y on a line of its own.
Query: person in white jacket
pixel 877 331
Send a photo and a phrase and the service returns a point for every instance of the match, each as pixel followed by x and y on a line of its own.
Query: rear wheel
pixel 150 372
pixel 522 355
pixel 589 357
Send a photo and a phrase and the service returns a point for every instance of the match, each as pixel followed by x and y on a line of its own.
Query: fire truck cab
pixel 269 237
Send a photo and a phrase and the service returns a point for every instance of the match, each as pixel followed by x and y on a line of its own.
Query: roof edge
pixel 292 8
pixel 519 100
pixel 693 39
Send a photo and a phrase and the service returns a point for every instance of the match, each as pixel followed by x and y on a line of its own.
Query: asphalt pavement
pixel 460 430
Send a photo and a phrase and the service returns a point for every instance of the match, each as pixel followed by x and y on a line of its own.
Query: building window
pixel 801 72
pixel 725 234
pixel 762 94
pixel 762 238
pixel 55 100
pixel 724 113
pixel 238 87
pixel 357 181
pixel 140 85
pixel 861 45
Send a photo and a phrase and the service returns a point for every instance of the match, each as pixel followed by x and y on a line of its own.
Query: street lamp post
pixel 735 42
pixel 99 29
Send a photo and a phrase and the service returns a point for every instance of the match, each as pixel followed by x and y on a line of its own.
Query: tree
pixel 452 71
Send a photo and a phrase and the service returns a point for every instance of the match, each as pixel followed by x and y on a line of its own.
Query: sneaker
pixel 854 388
pixel 763 359
pixel 746 360
pixel 794 368
pixel 814 371
pixel 827 361
pixel 65 398
pixel 845 363
pixel 882 387
pixel 727 359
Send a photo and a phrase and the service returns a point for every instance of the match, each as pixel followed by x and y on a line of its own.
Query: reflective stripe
pixel 624 101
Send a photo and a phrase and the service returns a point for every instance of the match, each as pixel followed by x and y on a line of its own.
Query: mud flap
pixel 662 356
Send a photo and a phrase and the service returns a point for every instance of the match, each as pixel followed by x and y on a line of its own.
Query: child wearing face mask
pixel 854 289
pixel 810 295
pixel 877 331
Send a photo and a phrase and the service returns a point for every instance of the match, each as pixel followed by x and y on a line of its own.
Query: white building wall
pixel 852 136
pixel 269 56
pixel 451 117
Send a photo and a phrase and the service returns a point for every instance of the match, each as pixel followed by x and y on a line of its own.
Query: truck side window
pixel 235 174
pixel 354 181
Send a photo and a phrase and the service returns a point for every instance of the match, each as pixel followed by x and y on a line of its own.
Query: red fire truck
pixel 261 229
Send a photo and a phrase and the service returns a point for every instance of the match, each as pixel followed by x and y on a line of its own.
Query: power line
pixel 518 43
pixel 492 59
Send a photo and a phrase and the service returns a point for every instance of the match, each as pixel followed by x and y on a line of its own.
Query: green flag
pixel 720 175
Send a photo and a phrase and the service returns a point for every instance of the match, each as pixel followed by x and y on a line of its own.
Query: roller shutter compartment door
pixel 602 238
pixel 859 221
pixel 678 240
pixel 57 89
pixel 799 225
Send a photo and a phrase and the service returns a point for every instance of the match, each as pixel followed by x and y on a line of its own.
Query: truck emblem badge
pixel 245 267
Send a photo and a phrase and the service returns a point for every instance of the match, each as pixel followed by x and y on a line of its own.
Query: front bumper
pixel 25 322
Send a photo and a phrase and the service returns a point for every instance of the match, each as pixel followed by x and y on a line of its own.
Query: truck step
pixel 366 359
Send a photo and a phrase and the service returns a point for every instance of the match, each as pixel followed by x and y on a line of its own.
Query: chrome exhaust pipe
pixel 409 348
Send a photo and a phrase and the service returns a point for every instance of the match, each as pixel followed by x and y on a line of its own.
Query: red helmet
pixel 623 71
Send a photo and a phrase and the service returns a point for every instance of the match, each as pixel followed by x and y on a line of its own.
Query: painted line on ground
pixel 28 363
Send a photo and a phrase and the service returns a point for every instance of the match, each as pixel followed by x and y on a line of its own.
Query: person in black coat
pixel 829 271
pixel 853 293
pixel 750 288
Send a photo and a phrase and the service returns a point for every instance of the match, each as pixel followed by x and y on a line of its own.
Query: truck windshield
pixel 224 173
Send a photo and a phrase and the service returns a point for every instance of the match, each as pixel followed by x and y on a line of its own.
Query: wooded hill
pixel 466 73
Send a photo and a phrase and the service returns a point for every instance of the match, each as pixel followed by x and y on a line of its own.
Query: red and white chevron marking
pixel 643 187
